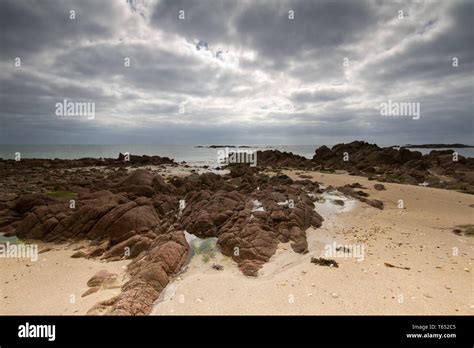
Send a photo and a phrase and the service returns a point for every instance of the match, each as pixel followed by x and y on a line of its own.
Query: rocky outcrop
pixel 151 273
pixel 133 160
pixel 79 176
pixel 250 226
pixel 100 215
pixel 440 168
pixel 142 216
pixel 26 202
pixel 276 158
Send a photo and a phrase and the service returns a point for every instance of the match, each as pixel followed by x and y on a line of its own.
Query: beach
pixel 191 166
pixel 419 237
pixel 439 281
pixel 53 284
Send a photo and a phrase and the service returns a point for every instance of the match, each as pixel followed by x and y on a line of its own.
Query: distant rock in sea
pixel 437 146
pixel 222 146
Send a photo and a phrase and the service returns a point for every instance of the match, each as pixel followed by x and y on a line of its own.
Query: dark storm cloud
pixel 428 59
pixel 236 68
pixel 25 94
pixel 29 27
pixel 317 27
pixel 208 20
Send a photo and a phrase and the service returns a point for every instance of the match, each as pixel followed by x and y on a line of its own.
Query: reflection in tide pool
pixel 204 247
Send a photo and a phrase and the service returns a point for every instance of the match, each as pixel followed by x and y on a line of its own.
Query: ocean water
pixel 188 153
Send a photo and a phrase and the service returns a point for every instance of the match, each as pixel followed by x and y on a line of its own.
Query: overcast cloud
pixel 236 71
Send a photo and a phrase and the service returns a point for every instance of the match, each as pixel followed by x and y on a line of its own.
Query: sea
pixel 202 155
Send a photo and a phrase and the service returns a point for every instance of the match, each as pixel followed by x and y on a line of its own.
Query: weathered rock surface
pixel 348 190
pixel 279 159
pixel 141 216
pixel 151 273
pixel 249 227
pixel 440 168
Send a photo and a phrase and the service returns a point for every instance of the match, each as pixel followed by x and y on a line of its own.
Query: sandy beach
pixel 440 279
pixel 432 271
pixel 53 284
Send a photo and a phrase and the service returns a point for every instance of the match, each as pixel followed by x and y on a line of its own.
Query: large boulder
pixel 98 215
pixel 322 153
pixel 26 202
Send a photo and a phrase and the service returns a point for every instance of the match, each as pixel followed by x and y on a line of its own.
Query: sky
pixel 236 72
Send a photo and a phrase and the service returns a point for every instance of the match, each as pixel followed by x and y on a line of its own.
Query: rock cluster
pixel 131 160
pixel 439 168
pixel 138 216
pixel 279 159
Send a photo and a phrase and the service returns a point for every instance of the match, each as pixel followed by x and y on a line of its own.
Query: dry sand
pixel 440 279
pixel 53 284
